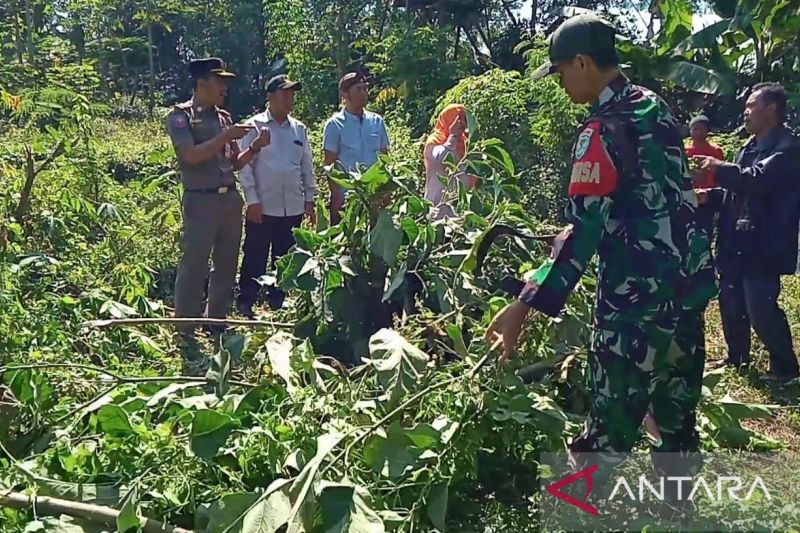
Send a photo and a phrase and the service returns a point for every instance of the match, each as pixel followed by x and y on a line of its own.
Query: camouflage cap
pixel 582 34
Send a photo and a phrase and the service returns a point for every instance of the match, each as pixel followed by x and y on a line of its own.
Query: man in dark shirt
pixel 759 204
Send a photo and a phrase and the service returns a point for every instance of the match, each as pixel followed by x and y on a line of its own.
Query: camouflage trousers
pixel 656 365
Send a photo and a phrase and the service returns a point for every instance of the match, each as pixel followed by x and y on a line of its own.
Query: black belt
pixel 215 190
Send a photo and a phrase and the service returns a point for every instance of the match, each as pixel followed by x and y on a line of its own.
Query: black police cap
pixel 202 68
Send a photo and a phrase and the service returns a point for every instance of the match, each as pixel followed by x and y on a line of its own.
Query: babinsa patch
pixel 593 172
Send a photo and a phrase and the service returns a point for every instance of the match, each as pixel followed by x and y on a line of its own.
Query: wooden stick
pixel 47 505
pixel 118 322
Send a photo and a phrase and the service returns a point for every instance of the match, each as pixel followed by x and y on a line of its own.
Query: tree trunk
pixel 384 7
pixel 152 87
pixel 29 24
pixel 458 42
pixel 18 33
pixel 534 15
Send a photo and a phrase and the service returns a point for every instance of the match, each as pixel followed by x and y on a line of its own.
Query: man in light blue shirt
pixel 353 137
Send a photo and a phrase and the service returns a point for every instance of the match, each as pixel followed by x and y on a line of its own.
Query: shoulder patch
pixel 593 172
pixel 178 120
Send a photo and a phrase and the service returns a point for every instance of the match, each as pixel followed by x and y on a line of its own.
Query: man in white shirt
pixel 279 188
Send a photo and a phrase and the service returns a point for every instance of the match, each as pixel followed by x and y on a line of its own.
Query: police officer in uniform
pixel 204 138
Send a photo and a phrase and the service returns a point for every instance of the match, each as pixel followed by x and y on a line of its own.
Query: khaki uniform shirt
pixel 187 124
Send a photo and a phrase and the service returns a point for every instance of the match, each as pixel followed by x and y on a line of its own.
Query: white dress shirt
pixel 280 177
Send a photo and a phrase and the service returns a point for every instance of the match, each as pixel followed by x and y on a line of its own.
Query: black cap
pixel 349 80
pixel 202 68
pixel 282 81
pixel 582 34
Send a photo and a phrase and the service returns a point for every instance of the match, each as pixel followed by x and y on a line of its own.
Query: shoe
pixel 730 363
pixel 772 377
pixel 275 299
pixel 246 310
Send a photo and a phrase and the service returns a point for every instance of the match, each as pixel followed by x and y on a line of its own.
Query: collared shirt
pixel 280 177
pixel 356 140
pixel 189 124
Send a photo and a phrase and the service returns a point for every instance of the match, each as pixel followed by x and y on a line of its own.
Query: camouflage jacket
pixel 631 202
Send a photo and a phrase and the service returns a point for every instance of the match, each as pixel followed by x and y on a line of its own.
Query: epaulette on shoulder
pixel 223 112
pixel 184 105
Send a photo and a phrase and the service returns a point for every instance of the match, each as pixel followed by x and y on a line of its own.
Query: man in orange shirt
pixel 703 179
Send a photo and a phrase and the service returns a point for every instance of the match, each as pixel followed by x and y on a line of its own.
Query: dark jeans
pixel 753 300
pixel 272 234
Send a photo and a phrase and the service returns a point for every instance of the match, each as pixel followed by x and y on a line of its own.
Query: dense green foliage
pixel 428 433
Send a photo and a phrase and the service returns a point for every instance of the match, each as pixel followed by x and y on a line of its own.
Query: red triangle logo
pixel 586 473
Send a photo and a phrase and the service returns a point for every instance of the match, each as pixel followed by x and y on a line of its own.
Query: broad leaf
pixel 697 78
pixel 270 514
pixel 345 510
pixel 114 420
pixel 499 154
pixel 128 517
pixel 437 505
pixel 226 512
pixel 741 411
pixel 385 239
pixel 395 283
pixel 219 371
pixel 391 455
pixel 703 39
pixel 107 494
pixel 399 364
pixel 279 350
pixel 307 240
pixel 210 430
pixel 303 508
pixel 676 22
pixel 454 332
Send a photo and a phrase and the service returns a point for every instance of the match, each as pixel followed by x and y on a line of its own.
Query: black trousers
pixel 273 234
pixel 753 301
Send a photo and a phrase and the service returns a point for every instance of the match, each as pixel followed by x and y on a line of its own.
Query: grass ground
pixel 785 424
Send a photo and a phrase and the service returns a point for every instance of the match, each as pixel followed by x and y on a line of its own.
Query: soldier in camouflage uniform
pixel 631 202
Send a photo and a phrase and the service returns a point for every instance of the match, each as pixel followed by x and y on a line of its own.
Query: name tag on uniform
pixel 298 143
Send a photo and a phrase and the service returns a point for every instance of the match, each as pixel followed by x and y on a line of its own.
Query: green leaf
pixel 303 509
pixel 271 513
pixel 117 309
pixel 713 377
pixel 697 78
pixel 741 411
pixel 676 22
pixel 399 364
pixel 392 455
pixel 128 518
pixel 375 177
pixel 499 154
pixel 210 430
pixel 395 283
pixel 473 127
pixel 703 39
pixel 307 240
pixel 424 436
pixel 107 494
pixel 345 510
pixel 385 239
pixel 454 332
pixel 289 268
pixel 227 512
pixel 437 505
pixel 219 371
pixel 279 350
pixel 114 420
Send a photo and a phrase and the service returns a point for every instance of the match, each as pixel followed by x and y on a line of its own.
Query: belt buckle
pixel 222 190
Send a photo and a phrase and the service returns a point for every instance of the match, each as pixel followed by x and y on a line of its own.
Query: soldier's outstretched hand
pixel 506 328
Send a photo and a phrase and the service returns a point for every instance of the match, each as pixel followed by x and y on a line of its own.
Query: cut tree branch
pixel 120 322
pixel 31 172
pixel 122 379
pixel 46 505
